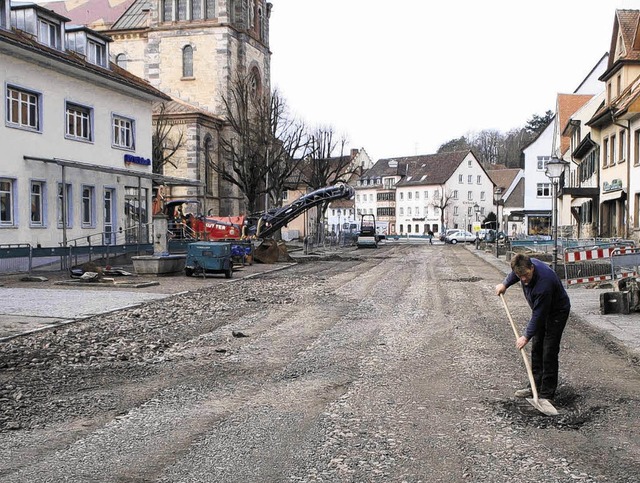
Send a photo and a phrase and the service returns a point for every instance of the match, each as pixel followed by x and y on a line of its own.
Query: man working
pixel 550 307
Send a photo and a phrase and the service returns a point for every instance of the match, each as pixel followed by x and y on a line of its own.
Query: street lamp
pixel 476 209
pixel 555 169
pixel 497 196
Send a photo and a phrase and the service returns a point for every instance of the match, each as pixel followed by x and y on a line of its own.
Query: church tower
pixel 193 50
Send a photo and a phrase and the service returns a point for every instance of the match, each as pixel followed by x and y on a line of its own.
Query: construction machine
pixel 367 238
pixel 258 227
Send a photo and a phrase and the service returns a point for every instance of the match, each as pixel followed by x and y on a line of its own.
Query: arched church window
pixel 187 61
pixel 255 83
pixel 121 60
pixel 259 26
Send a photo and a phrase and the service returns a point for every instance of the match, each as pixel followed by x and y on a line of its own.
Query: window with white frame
pixel 542 162
pixel 479 179
pixel 612 147
pixel 470 195
pixel 96 53
pixel 461 178
pixel 455 211
pixel 469 210
pixel 49 33
pixel 79 122
pixel 454 195
pixel 88 206
pixel 417 195
pixel 543 190
pixel 123 132
pixel 64 199
pixel 621 146
pixel 401 211
pixel 409 211
pixel 6 201
pixel 37 203
pixel 409 195
pixel 23 109
pixel 470 179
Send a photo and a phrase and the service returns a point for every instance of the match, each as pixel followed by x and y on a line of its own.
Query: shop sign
pixel 131 159
pixel 616 184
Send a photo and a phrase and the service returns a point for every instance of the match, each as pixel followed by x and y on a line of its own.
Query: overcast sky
pixel 400 78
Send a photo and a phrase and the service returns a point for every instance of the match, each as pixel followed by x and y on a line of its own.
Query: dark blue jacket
pixel 545 294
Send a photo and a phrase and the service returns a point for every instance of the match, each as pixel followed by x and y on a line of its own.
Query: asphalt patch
pixel 573 413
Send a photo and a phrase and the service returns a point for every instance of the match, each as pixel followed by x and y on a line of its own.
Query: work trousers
pixel 545 347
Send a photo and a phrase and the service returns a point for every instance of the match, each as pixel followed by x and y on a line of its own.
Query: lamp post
pixel 497 196
pixel 476 210
pixel 555 168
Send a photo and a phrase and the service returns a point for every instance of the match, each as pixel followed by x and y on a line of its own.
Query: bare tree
pixel 441 200
pixel 287 144
pixel 244 148
pixel 322 168
pixel 164 144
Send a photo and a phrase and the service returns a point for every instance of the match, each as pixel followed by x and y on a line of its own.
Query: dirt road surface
pixel 391 365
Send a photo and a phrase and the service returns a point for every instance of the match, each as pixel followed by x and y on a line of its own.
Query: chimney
pixel 354 153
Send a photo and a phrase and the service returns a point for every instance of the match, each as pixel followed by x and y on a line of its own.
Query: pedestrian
pixel 550 308
pixel 430 235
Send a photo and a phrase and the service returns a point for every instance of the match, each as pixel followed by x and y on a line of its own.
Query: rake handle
pixel 527 364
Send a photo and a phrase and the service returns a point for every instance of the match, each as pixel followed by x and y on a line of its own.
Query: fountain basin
pixel 158 264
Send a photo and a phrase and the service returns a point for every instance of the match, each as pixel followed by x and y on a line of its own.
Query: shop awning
pixel 613 195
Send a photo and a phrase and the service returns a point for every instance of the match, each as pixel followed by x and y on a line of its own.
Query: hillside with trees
pixel 494 148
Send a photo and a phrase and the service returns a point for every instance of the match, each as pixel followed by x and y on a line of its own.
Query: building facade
pixel 76 135
pixel 193 51
pixel 417 194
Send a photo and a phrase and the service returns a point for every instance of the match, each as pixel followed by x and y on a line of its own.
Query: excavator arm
pixel 274 219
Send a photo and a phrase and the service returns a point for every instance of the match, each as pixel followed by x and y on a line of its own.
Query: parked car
pixel 491 236
pixel 444 234
pixel 460 236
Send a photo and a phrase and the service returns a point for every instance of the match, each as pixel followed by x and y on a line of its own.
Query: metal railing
pixel 105 246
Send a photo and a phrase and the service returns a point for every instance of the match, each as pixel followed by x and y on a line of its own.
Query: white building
pixel 429 192
pixel 76 138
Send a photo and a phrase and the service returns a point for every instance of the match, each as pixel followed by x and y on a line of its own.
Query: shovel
pixel 542 405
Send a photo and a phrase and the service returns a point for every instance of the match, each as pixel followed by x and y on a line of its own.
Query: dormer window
pixel 96 53
pixel 48 33
pixel 90 44
pixel 44 25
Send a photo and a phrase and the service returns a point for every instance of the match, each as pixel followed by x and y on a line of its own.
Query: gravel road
pixel 391 365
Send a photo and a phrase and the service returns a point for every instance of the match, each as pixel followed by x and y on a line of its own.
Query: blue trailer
pixel 209 257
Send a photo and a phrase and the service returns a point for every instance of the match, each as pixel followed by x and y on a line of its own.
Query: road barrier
pixel 589 264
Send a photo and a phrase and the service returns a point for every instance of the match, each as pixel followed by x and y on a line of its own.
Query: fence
pixel 24 258
pixel 586 264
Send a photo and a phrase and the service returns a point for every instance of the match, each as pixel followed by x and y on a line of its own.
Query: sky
pixel 400 78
